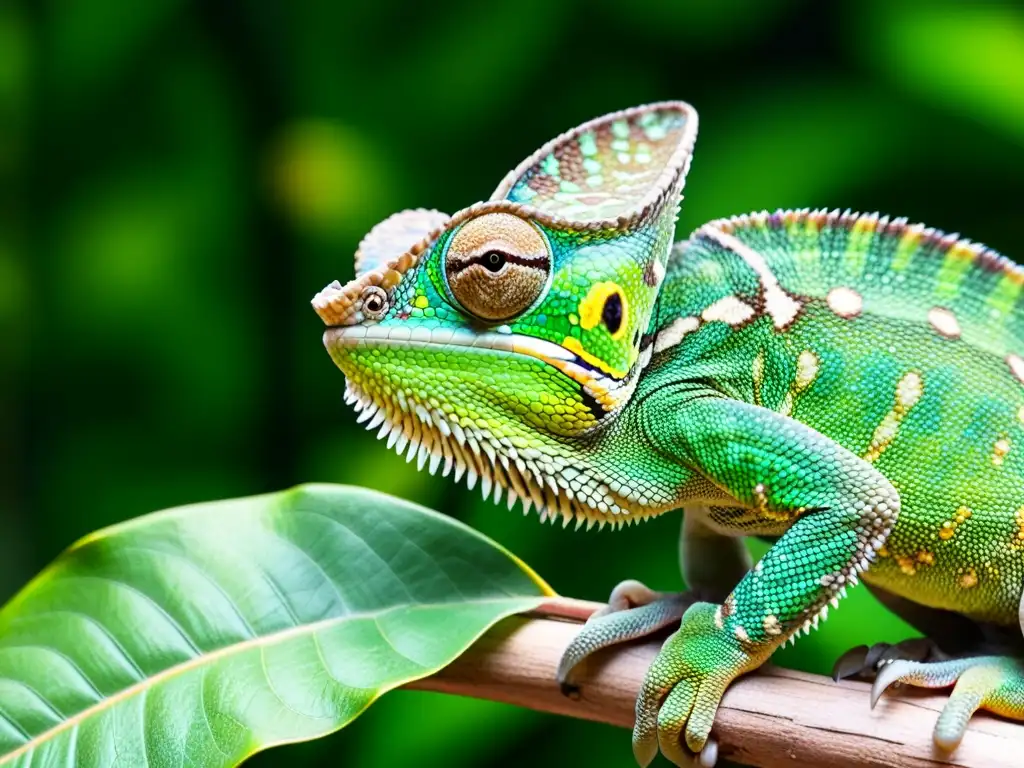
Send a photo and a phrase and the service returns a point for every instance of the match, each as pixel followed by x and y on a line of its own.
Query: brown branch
pixel 772 718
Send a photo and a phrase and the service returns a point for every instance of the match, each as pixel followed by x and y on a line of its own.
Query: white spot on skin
pixel 807 365
pixel 944 322
pixel 845 302
pixel 772 625
pixel 781 307
pixel 719 619
pixel 729 310
pixel 908 394
pixel 999 451
pixel 741 634
pixel 658 270
pixel 1016 367
pixel 909 391
pixel 672 335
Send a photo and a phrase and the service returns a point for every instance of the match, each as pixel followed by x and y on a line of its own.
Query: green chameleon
pixel 849 385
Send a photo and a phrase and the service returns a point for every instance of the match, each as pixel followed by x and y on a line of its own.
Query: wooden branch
pixel 773 718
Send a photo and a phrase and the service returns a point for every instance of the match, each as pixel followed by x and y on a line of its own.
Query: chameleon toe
pixel 709 755
pixel 994 683
pixel 603 630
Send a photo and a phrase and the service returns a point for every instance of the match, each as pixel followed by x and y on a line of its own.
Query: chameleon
pixel 849 386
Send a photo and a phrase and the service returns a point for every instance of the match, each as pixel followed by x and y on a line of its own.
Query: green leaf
pixel 202 634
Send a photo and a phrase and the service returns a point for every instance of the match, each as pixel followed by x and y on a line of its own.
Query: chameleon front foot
pixel 995 683
pixel 633 611
pixel 863 662
pixel 683 688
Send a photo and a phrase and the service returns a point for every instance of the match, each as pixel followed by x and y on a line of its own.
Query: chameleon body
pixel 850 385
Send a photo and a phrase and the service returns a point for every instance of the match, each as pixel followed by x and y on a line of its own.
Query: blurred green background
pixel 180 177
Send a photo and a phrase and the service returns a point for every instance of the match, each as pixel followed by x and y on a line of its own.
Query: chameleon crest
pixel 481 342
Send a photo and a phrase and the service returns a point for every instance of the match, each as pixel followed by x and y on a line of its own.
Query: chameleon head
pixel 506 338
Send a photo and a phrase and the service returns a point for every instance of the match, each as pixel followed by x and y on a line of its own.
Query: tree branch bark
pixel 773 718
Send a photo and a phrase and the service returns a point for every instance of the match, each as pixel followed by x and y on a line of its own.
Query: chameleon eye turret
pixel 497 265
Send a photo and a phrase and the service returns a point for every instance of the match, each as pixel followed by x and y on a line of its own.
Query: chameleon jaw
pixel 560 483
pixel 608 392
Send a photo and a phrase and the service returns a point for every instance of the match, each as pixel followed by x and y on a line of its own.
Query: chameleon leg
pixel 995 683
pixel 712 565
pixel 839 511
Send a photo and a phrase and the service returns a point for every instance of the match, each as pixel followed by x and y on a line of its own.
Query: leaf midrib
pixel 225 652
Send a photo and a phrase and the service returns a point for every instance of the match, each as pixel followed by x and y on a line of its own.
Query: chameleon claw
pixel 887 675
pixel 570 691
pixel 709 755
pixel 850 663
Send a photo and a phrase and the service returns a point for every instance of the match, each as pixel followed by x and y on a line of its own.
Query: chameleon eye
pixel 497 265
pixel 375 302
pixel 611 314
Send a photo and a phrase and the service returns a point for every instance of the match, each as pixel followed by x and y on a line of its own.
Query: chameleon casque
pixel 850 385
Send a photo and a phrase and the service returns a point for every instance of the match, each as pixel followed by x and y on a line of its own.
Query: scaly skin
pixel 848 384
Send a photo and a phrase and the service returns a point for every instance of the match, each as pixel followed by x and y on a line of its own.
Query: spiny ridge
pixel 439 443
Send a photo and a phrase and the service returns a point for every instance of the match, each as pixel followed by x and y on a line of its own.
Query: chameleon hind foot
pixel 633 611
pixel 863 662
pixel 995 683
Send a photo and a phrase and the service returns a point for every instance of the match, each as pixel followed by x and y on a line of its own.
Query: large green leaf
pixel 202 634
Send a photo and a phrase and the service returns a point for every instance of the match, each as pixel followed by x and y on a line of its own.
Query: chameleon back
pixel 898 342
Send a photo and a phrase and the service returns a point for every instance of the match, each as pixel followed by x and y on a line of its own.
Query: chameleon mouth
pixel 606 391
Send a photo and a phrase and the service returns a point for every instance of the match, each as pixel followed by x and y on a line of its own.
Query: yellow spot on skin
pixel 786 408
pixel 906 247
pixel 772 625
pixel 421 302
pixel 908 394
pixel 573 345
pixel 949 527
pixel 1018 541
pixel 592 307
pixel 807 365
pixel 883 551
pixel 925 557
pixel 757 371
pixel 741 634
pixel 573 320
pixel 907 564
pixel 999 451
pixel 969 579
pixel 1020 414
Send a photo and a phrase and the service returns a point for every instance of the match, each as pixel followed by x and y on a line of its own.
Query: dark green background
pixel 179 178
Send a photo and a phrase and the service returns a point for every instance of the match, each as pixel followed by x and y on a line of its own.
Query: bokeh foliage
pixel 179 178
